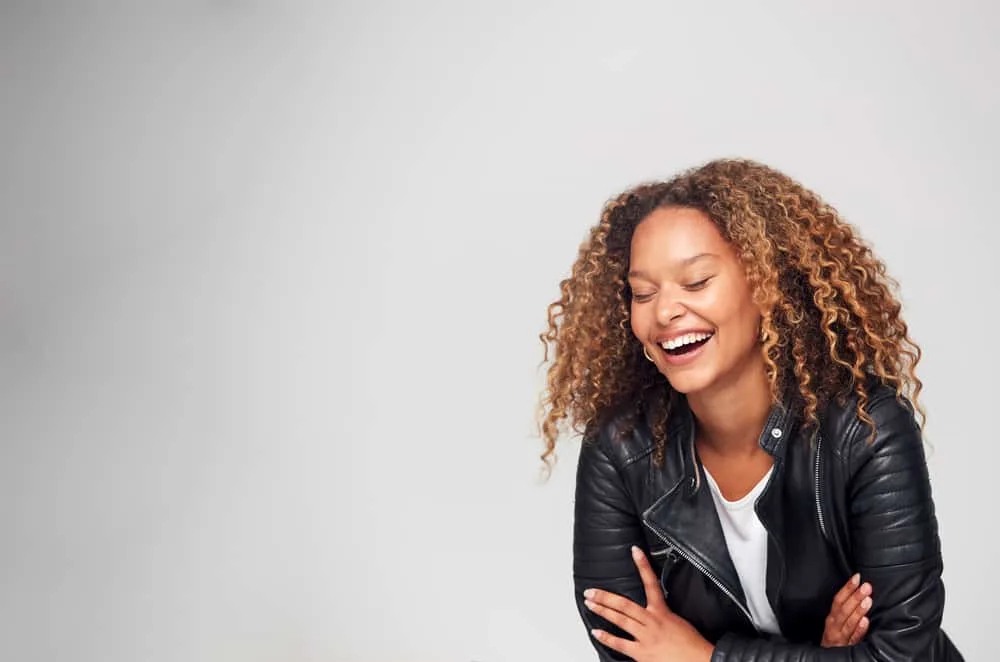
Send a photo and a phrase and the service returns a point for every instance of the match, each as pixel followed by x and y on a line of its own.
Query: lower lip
pixel 684 359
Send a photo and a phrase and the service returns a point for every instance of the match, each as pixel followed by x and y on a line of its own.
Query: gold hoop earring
pixel 645 352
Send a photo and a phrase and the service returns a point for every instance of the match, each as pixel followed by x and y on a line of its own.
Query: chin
pixel 689 383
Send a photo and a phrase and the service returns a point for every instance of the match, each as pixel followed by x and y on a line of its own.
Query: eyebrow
pixel 686 262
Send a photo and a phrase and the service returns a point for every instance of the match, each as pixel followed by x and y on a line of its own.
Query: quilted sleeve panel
pixel 606 525
pixel 895 547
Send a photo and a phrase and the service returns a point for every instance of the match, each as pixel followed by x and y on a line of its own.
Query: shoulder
pixel 896 430
pixel 620 434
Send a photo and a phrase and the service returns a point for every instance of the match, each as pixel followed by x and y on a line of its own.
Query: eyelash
pixel 697 286
pixel 690 287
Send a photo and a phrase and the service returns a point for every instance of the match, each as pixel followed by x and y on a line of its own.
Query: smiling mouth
pixel 686 349
pixel 687 344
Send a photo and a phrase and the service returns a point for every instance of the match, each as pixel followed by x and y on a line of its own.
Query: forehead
pixel 676 234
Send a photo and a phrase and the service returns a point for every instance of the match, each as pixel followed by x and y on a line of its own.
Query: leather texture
pixel 836 503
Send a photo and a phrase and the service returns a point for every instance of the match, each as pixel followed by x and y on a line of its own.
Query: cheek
pixel 739 315
pixel 747 324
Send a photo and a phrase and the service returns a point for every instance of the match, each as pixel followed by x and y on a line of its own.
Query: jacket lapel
pixel 684 516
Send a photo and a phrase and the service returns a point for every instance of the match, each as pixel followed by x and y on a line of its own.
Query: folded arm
pixel 605 528
pixel 896 548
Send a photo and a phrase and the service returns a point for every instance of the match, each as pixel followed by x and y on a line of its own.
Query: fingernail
pixel 866 589
pixel 856 579
pixel 590 605
pixel 866 603
pixel 636 552
pixel 589 593
pixel 596 633
pixel 864 623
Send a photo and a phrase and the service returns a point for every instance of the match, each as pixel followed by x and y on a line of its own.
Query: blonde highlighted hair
pixel 830 321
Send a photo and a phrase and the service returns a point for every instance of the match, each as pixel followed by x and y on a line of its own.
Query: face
pixel 691 303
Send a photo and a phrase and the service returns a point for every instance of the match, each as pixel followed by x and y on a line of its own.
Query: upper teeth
pixel 674 343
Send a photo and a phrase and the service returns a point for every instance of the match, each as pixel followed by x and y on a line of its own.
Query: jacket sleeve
pixel 895 547
pixel 605 527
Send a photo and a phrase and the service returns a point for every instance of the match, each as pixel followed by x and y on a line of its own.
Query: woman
pixel 751 483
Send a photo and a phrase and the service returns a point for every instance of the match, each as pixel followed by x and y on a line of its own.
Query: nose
pixel 668 308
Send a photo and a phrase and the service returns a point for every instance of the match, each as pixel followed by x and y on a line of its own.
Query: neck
pixel 731 415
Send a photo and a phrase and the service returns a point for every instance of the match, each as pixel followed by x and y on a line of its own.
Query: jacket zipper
pixel 819 506
pixel 672 547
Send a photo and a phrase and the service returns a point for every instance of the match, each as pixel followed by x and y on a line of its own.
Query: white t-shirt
pixel 746 539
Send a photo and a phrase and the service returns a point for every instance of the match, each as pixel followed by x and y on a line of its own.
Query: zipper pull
pixel 668 565
pixel 670 559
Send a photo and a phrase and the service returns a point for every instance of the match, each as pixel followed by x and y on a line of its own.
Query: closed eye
pixel 641 298
pixel 693 287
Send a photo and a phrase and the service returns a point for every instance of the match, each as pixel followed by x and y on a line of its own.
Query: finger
pixel 846 608
pixel 630 625
pixel 851 624
pixel 835 632
pixel 831 631
pixel 845 626
pixel 651 584
pixel 617 643
pixel 832 635
pixel 859 632
pixel 618 603
pixel 845 592
pixel 864 625
pixel 862 602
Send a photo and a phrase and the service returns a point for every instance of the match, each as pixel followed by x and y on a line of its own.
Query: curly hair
pixel 830 319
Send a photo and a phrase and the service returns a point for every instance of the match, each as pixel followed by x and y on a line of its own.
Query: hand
pixel 848 620
pixel 659 633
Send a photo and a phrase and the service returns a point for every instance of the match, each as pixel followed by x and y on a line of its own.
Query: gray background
pixel 272 274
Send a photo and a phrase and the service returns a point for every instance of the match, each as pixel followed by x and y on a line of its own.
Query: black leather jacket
pixel 834 505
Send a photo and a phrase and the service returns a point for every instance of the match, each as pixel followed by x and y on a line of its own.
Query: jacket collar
pixel 781 423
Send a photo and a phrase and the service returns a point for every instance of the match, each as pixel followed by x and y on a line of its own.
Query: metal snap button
pixel 776 433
